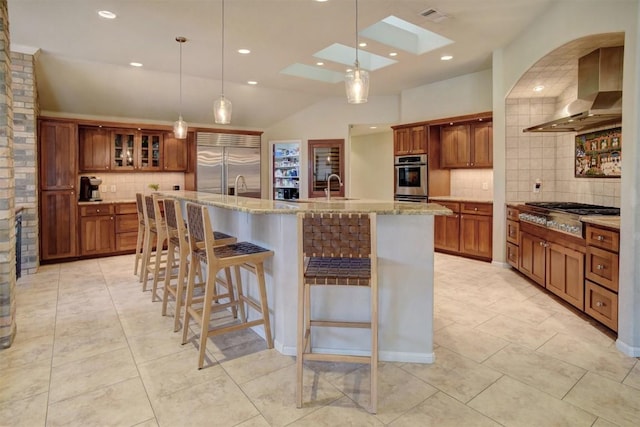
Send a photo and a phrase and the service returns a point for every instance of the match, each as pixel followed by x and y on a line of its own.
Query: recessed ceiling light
pixel 362 44
pixel 538 88
pixel 373 127
pixel 106 14
pixel 446 57
pixel 252 82
pixel 244 51
pixel 321 1
pixel 320 63
pixel 393 54
pixel 135 64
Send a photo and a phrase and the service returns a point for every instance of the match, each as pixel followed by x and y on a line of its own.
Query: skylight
pixel 404 35
pixel 347 55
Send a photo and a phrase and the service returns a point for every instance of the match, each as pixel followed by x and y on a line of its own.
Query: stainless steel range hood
pixel 599 94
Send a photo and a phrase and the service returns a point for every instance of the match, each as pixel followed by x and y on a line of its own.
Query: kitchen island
pixel 405 271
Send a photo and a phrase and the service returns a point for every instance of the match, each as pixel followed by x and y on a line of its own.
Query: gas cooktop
pixel 562 216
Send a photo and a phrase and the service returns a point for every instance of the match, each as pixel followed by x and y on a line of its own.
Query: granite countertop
pixel 461 199
pixel 605 221
pixel 266 206
pixel 106 201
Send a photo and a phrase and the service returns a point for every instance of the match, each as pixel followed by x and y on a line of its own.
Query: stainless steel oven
pixel 411 176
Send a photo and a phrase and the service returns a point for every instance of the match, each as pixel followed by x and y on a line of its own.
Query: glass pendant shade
pixel 180 128
pixel 222 110
pixel 357 84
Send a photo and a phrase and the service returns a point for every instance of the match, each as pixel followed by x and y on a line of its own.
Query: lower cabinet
pixel 532 258
pixel 126 226
pixel 97 230
pixel 58 224
pixel 468 232
pixel 565 274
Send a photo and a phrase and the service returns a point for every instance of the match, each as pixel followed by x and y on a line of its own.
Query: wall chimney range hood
pixel 599 100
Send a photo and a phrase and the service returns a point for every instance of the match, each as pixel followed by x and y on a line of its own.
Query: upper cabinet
pixel 95 149
pixel 410 140
pixel 131 150
pixel 58 155
pixel 467 145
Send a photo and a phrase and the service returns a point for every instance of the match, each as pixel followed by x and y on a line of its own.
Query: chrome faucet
pixel 244 184
pixel 327 191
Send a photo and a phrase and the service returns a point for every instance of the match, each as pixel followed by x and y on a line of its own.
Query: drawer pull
pixel 599 304
pixel 600 267
pixel 600 238
pixel 475 209
pixel 97 210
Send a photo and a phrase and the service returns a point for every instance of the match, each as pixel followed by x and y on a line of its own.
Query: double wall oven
pixel 411 178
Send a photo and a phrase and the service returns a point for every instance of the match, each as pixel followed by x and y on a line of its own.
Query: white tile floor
pixel 92 349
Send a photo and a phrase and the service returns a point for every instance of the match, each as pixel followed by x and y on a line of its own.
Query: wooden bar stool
pixel 179 246
pixel 155 231
pixel 139 259
pixel 339 250
pixel 243 254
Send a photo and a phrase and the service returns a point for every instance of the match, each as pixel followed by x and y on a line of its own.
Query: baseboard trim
pixel 627 349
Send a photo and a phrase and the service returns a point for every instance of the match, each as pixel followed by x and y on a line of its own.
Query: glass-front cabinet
pixel 326 158
pixel 136 150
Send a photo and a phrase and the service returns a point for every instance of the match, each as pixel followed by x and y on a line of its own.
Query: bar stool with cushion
pixel 156 232
pixel 216 258
pixel 179 246
pixel 336 249
pixel 139 258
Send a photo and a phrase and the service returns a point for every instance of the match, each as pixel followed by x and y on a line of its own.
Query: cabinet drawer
pixel 126 241
pixel 126 223
pixel 602 267
pixel 454 206
pixel 513 213
pixel 602 238
pixel 513 231
pixel 91 210
pixel 476 208
pixel 513 254
pixel 601 304
pixel 126 208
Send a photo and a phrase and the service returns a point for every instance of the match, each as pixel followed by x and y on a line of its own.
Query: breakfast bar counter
pixel 405 270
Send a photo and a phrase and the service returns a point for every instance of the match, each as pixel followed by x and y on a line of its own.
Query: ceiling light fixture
pixel 252 82
pixel 222 106
pixel 538 88
pixel 106 14
pixel 244 51
pixel 446 57
pixel 393 53
pixel 135 64
pixel 180 127
pixel 357 80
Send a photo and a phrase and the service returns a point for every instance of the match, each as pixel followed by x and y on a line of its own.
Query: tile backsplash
pixel 548 158
pixel 126 185
pixel 472 183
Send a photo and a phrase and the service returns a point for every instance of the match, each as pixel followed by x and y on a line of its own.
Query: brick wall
pixel 7 196
pixel 25 162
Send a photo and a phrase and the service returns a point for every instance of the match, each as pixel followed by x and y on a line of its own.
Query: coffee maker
pixel 90 189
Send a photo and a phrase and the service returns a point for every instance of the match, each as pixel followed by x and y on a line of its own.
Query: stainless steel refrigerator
pixel 223 157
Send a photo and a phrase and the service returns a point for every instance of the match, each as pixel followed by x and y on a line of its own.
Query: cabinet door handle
pixel 541 243
pixel 475 209
pixel 600 267
pixel 599 304
pixel 97 210
pixel 600 238
pixel 471 163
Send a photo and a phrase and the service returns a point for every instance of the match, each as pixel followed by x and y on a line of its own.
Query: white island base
pixel 405 276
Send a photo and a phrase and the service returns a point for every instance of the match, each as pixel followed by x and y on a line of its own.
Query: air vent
pixel 434 15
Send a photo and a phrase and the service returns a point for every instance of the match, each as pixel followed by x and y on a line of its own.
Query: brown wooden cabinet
pixel 58 154
pixel 133 150
pixel 476 224
pixel 58 167
pixel 602 272
pixel 565 274
pixel 95 149
pixel 446 236
pixel 174 152
pixel 513 236
pixel 97 229
pixel 468 232
pixel 532 257
pixel 126 226
pixel 467 145
pixel 58 225
pixel 410 140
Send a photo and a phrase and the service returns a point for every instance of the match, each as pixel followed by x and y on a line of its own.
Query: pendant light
pixel 357 79
pixel 180 127
pixel 222 106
